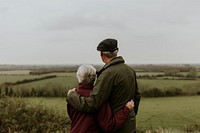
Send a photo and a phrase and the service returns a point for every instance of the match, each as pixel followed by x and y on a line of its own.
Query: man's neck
pixel 107 60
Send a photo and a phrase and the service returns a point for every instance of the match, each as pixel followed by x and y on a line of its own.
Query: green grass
pixel 65 81
pixel 57 104
pixel 168 112
pixel 14 78
pixel 69 79
pixel 161 83
pixel 149 73
pixel 161 73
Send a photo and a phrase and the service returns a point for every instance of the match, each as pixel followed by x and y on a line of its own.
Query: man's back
pixel 123 85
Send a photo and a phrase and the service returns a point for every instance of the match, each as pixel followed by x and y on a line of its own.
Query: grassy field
pixel 14 78
pixel 63 79
pixel 69 79
pixel 161 73
pixel 162 83
pixel 170 112
pixel 66 81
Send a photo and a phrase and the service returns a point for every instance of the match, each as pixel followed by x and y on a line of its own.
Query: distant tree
pixel 172 73
pixel 192 73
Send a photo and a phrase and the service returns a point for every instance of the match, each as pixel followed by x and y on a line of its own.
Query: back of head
pixel 108 47
pixel 86 74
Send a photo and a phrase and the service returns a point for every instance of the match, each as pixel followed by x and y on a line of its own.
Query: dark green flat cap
pixel 107 45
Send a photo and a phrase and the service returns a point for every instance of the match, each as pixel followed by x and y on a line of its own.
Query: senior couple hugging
pixel 107 100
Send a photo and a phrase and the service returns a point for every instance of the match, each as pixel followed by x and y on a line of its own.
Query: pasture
pixel 69 80
pixel 169 112
pixel 66 81
pixel 176 113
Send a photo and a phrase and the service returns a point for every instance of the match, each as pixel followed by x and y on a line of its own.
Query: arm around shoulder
pixel 81 103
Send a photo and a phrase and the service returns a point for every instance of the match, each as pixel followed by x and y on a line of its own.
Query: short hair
pixel 110 54
pixel 86 74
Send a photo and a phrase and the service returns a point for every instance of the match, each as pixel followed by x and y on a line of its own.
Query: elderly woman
pixel 103 120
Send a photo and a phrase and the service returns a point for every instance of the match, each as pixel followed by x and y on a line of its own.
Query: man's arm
pixel 110 122
pixel 98 96
pixel 81 103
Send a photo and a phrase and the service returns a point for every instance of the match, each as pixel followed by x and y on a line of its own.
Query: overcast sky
pixel 68 31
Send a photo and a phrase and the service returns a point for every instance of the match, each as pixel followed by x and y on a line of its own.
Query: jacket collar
pixel 114 61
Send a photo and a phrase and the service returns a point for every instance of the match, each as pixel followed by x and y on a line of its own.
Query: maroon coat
pixel 101 122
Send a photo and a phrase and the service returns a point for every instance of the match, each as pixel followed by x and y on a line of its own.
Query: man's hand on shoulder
pixel 70 91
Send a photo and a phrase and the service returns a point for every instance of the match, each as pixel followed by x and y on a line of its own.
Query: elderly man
pixel 116 83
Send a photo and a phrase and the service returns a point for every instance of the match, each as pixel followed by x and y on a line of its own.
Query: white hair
pixel 110 54
pixel 86 73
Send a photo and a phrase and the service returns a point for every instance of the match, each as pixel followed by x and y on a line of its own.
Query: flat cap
pixel 108 45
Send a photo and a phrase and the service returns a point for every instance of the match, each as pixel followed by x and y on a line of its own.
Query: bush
pixel 19 116
pixel 157 92
pixel 154 92
pixel 29 80
pixel 198 93
pixel 173 92
pixel 192 89
pixel 47 90
pixel 192 128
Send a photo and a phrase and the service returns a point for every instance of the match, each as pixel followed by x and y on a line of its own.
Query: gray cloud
pixel 156 31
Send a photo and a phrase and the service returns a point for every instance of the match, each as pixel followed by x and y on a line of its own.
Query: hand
pixel 70 91
pixel 130 105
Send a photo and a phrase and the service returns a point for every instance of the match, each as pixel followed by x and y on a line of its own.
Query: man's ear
pixel 101 53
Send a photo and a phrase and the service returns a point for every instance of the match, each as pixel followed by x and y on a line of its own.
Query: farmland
pixel 180 112
pixel 170 112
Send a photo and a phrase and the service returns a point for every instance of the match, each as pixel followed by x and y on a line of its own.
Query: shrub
pixel 192 89
pixel 19 116
pixel 46 90
pixel 198 93
pixel 173 92
pixel 29 80
pixel 192 74
pixel 192 128
pixel 153 92
pixel 157 92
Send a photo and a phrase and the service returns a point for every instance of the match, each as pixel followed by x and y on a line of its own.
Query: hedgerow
pixel 19 116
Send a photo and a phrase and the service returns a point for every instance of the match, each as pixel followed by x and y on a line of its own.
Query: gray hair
pixel 86 74
pixel 110 54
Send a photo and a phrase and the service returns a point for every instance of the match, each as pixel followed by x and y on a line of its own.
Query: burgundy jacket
pixel 100 122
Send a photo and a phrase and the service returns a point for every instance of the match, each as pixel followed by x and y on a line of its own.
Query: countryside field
pixel 154 113
pixel 177 113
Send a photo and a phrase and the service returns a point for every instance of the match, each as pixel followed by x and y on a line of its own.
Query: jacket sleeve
pixel 99 95
pixel 110 122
